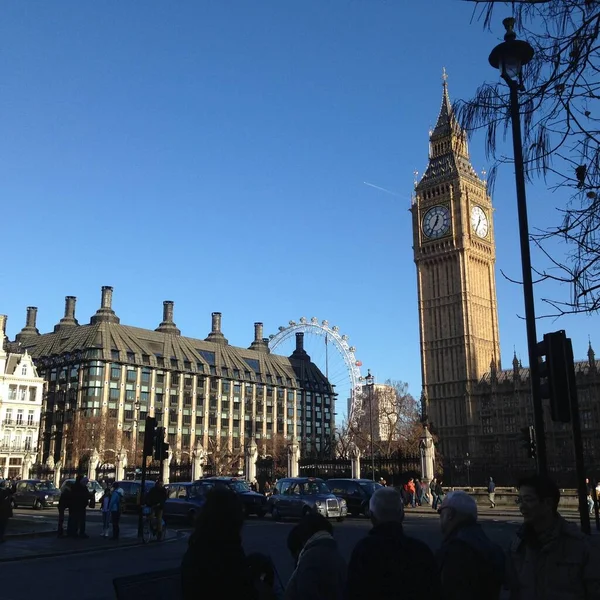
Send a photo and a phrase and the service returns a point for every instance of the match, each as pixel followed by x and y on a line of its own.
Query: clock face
pixel 436 222
pixel 479 221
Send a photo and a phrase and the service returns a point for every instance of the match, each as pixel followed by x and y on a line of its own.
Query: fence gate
pixel 180 471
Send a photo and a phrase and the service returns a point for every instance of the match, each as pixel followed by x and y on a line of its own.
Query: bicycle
pixel 150 525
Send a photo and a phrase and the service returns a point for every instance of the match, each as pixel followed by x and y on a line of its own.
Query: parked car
pixel 93 486
pixel 35 493
pixel 356 492
pixel 298 496
pixel 254 503
pixel 185 500
pixel 131 494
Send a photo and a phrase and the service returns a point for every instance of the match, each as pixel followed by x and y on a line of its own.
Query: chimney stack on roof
pixel 299 353
pixel 69 319
pixel 216 335
pixel 105 314
pixel 260 343
pixel 30 324
pixel 167 325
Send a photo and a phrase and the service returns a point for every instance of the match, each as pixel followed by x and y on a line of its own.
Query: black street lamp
pixel 370 380
pixel 510 57
pixel 136 425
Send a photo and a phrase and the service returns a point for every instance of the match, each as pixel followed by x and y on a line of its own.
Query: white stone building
pixel 21 394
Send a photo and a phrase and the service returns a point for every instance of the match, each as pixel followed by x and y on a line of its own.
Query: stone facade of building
pixel 104 378
pixel 21 393
pixel 475 407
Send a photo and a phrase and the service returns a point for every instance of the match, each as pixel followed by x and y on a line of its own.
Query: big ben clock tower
pixel 454 250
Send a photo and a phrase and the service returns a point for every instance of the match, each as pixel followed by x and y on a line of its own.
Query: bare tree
pixel 223 459
pixel 560 133
pixel 83 436
pixel 395 422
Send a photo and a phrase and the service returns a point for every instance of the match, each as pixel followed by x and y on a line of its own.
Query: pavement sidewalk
pixel 26 547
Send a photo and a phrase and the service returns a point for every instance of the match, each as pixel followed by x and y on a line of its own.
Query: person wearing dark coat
pixel 215 552
pixel 320 572
pixel 388 564
pixel 471 566
pixel 79 499
pixel 5 508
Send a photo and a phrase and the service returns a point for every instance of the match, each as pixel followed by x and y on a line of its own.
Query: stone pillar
pixel 293 458
pixel 93 464
pixel 121 465
pixel 26 466
pixel 427 448
pixel 57 472
pixel 355 462
pixel 251 458
pixel 198 462
pixel 166 470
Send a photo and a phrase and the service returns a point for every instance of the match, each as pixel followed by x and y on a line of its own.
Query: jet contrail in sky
pixel 377 187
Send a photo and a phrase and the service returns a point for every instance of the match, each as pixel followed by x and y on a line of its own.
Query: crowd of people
pixel 548 559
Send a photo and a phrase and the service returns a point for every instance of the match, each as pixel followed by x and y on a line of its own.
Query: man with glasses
pixel 550 558
pixel 471 566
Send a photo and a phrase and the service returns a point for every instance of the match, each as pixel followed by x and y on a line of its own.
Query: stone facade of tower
pixel 454 252
pixel 476 408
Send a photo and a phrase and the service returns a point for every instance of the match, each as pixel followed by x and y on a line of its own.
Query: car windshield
pixel 240 486
pixel 95 486
pixel 316 487
pixel 370 487
pixel 45 485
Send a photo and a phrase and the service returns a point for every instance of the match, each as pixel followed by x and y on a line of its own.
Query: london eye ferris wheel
pixel 331 351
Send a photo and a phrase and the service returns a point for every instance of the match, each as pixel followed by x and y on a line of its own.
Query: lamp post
pixel 468 466
pixel 136 406
pixel 510 57
pixel 370 380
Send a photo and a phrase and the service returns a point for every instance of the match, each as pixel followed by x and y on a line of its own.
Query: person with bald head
pixel 471 566
pixel 388 564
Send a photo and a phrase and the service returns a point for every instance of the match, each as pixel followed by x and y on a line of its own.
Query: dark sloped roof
pixel 106 336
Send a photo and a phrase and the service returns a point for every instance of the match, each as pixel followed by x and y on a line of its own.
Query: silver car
pixel 298 496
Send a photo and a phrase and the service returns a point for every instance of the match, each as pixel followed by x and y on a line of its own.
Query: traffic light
pixel 161 448
pixel 557 374
pixel 528 437
pixel 149 436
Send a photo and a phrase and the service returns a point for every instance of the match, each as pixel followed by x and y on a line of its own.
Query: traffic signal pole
pixel 140 511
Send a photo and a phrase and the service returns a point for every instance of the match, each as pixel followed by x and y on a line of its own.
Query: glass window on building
pixel 131 375
pixel 114 355
pixel 146 375
pixel 30 415
pixel 22 394
pixel 12 392
pixel 19 417
pixel 174 379
pixel 115 372
pixel 32 394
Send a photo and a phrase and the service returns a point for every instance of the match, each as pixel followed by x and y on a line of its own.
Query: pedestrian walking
pixel 434 498
pixel 115 507
pixel 106 515
pixel 418 491
pixel 410 487
pixel 320 572
pixel 471 566
pixel 425 493
pixel 491 489
pixel 388 563
pixel 5 509
pixel 439 494
pixel 549 557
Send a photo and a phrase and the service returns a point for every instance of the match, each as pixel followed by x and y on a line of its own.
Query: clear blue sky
pixel 213 153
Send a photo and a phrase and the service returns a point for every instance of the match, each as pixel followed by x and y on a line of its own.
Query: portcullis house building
pixel 103 378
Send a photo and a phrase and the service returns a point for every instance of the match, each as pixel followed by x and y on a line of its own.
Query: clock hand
pixel 437 217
